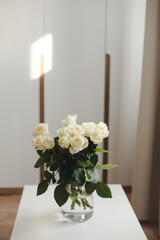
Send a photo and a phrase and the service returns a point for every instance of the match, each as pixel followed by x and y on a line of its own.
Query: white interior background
pixel 81 31
pixel 125 26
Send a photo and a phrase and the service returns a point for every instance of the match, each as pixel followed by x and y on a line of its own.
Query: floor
pixel 8 210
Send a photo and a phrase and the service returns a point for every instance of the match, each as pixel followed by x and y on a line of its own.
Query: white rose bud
pixel 41 129
pixel 63 132
pixel 96 135
pixel 75 129
pixel 104 129
pixel 88 128
pixel 69 120
pixel 63 142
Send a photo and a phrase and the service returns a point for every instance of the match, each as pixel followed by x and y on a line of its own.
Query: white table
pixel 39 218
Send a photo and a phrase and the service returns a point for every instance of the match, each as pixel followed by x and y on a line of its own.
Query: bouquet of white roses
pixel 70 159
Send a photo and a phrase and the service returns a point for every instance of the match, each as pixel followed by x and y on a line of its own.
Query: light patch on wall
pixel 41 46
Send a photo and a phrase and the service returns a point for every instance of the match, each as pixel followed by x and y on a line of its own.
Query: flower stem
pixel 73 205
pixel 85 203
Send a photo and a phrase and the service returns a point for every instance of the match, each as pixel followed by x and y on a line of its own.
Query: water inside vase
pixel 80 211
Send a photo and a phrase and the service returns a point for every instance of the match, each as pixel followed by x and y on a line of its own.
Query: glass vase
pixel 79 209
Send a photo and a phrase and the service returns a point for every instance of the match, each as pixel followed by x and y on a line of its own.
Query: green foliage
pixel 68 188
pixel 40 152
pixel 40 162
pixel 79 175
pixel 93 175
pixel 47 153
pixel 106 166
pixel 103 190
pixel 94 159
pixel 63 174
pixel 89 150
pixel 51 161
pixel 42 187
pixel 87 175
pixel 100 150
pixel 48 176
pixel 54 167
pixel 90 187
pixel 60 195
pixel 83 162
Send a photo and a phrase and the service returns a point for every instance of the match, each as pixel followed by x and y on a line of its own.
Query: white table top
pixel 39 218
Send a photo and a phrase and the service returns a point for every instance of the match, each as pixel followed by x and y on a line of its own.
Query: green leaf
pixel 103 190
pixel 60 195
pixel 94 175
pixel 79 175
pixel 54 167
pixel 40 152
pixel 87 175
pixel 64 175
pixel 40 162
pixel 90 187
pixel 42 187
pixel 100 150
pixel 82 163
pixel 47 153
pixel 106 166
pixel 52 160
pixel 48 175
pixel 68 188
pixel 94 159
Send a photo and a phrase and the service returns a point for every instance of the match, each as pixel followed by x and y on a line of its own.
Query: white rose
pixel 69 120
pixel 96 135
pixel 88 127
pixel 41 129
pixel 85 145
pixel 63 132
pixel 63 142
pixel 75 129
pixel 43 142
pixel 48 141
pixel 72 151
pixel 78 143
pixel 38 143
pixel 104 129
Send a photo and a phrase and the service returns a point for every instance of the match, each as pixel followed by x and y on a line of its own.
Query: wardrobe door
pixel 75 84
pixel 21 24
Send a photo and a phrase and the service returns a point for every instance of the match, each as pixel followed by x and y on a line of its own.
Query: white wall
pixel 75 85
pixel 125 22
pixel 21 25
